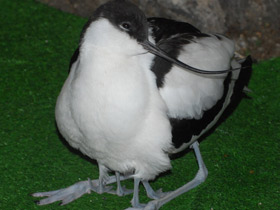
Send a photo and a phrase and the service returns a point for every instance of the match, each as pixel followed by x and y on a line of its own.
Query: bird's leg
pixel 198 179
pixel 73 192
pixel 135 200
pixel 121 190
pixel 151 193
pixel 103 178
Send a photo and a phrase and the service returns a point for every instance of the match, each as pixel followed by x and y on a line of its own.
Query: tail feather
pixel 240 86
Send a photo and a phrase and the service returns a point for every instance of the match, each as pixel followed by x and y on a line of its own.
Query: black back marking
pixel 183 130
pixel 164 28
pixel 74 58
pixel 163 31
pixel 161 66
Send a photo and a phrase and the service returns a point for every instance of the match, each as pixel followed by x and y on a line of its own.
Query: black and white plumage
pixel 196 102
pixel 129 109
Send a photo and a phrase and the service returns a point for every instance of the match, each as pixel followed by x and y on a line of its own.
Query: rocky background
pixel 253 24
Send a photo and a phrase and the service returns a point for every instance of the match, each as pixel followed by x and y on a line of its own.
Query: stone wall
pixel 254 24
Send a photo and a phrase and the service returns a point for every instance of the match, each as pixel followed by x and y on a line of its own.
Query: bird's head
pixel 118 26
pixel 126 17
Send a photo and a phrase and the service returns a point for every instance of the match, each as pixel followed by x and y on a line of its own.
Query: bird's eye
pixel 125 26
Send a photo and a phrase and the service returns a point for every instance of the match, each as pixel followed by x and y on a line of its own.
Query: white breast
pixel 111 100
pixel 110 109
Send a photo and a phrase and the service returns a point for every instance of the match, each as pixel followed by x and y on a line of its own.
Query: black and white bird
pixel 140 90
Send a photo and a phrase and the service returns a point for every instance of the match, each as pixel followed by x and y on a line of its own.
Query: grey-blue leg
pixel 135 200
pixel 151 193
pixel 198 179
pixel 65 195
pixel 103 178
pixel 121 190
pixel 69 194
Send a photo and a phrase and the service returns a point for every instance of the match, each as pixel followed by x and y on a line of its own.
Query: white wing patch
pixel 188 95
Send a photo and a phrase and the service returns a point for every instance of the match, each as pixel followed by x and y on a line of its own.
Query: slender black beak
pixel 157 51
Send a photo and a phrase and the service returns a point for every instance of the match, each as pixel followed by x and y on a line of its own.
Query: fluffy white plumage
pixel 115 106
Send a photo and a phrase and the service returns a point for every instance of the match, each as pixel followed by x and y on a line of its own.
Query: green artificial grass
pixel 36 41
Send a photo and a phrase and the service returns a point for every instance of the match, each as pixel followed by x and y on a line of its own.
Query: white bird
pixel 130 110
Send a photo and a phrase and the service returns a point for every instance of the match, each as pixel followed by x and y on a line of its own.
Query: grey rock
pixel 210 15
pixel 246 18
